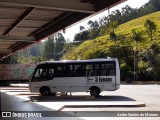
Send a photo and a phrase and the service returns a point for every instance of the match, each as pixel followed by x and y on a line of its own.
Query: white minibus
pixel 94 76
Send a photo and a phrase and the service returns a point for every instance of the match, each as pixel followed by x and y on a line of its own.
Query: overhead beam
pixel 4 55
pixel 63 5
pixel 16 39
pixel 19 20
pixel 61 24
pixel 19 46
pixel 54 21
pixel 103 5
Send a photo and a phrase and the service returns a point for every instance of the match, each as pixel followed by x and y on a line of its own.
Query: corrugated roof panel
pixel 2 29
pixel 32 23
pixel 43 14
pixel 6 12
pixel 21 31
pixel 6 22
pixel 5 45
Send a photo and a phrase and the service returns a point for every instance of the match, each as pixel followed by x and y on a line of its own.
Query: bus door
pixel 41 77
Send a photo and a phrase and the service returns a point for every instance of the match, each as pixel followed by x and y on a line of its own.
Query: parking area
pixel 128 98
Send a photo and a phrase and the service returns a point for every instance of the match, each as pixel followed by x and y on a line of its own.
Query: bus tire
pixel 45 91
pixel 94 91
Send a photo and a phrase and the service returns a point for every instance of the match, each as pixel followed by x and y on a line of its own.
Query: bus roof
pixel 77 61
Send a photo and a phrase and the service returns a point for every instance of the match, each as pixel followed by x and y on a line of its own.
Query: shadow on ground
pixel 79 98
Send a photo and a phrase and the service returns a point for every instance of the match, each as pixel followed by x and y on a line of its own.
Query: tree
pixel 155 4
pixel 54 46
pixel 94 29
pixel 150 28
pixel 101 22
pixel 93 33
pixel 81 28
pixel 153 56
pixel 49 48
pixel 82 36
pixel 34 50
pixel 113 26
pixel 106 20
pixel 113 36
pixel 59 45
pixel 125 57
pixel 112 17
pixel 136 35
pixel 91 24
pixel 96 25
pixel 118 16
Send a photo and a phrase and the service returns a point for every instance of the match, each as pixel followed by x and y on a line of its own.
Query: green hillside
pixel 99 46
pixel 139 24
pixel 103 46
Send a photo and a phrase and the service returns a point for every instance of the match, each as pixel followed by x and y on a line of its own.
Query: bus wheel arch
pixel 45 91
pixel 94 91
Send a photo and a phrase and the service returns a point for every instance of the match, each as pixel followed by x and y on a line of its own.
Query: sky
pixel 71 31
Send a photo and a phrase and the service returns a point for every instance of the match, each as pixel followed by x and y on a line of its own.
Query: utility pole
pixel 135 51
pixel 134 65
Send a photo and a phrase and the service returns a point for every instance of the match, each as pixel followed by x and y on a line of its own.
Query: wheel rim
pixel 93 93
pixel 45 92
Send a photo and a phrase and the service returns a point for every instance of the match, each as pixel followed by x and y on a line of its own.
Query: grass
pixel 99 47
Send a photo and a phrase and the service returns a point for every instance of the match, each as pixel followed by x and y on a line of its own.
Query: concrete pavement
pixel 17 98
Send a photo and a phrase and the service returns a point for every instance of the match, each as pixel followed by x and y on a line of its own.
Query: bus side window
pixel 97 69
pixel 71 71
pixel 111 72
pixel 79 69
pixel 98 72
pixel 104 73
pixel 38 73
pixel 50 74
pixel 43 73
pixel 111 69
pixel 92 73
pixel 66 70
pixel 59 71
pixel 108 69
pixel 89 70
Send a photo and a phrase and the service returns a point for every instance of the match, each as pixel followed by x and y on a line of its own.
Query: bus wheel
pixel 95 91
pixel 45 91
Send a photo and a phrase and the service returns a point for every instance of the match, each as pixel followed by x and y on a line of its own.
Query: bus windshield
pixel 43 74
